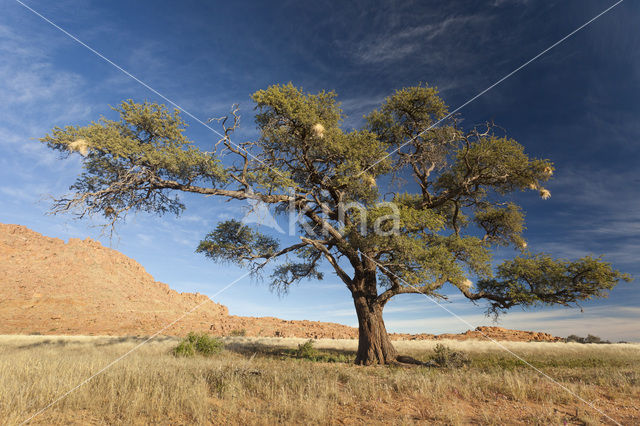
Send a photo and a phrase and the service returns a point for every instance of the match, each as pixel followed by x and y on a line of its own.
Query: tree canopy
pixel 406 204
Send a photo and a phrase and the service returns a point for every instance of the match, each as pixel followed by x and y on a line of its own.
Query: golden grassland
pixel 260 381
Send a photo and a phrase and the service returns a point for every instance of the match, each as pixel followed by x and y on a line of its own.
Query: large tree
pixel 408 204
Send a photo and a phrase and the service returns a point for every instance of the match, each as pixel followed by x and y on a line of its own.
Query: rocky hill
pixel 48 286
pixel 81 287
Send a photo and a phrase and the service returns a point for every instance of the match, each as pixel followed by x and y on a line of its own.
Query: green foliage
pixel 235 242
pixel 289 272
pixel 185 349
pixel 495 164
pixel 300 134
pixel 446 357
pixel 406 113
pixel 541 280
pixel 123 159
pixel 502 225
pixel 198 343
pixel 306 350
pixel 238 332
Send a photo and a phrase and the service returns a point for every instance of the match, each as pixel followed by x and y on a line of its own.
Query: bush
pixel 593 339
pixel 306 350
pixel 198 343
pixel 589 339
pixel 184 348
pixel 238 332
pixel 448 358
pixel 574 338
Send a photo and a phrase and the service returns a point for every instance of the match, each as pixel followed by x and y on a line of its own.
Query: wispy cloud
pixel 402 42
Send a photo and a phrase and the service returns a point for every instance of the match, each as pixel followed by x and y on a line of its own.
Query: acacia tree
pixel 380 242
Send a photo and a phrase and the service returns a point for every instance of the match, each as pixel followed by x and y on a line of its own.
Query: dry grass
pixel 257 381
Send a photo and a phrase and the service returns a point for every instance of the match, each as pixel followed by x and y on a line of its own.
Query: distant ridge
pixel 48 286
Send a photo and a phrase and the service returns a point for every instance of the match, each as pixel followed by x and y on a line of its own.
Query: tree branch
pixel 331 259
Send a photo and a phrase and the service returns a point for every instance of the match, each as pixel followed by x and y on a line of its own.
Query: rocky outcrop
pixel 485 333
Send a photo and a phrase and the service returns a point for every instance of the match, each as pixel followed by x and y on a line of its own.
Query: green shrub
pixel 198 343
pixel 306 350
pixel 448 358
pixel 184 348
pixel 238 332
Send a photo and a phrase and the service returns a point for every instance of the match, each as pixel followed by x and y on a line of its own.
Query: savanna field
pixel 284 381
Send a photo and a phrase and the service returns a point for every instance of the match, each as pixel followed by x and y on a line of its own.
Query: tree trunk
pixel 374 345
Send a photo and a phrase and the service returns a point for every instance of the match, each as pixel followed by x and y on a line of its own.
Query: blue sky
pixel 577 105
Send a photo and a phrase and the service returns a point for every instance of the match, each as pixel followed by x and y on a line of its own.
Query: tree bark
pixel 374 345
